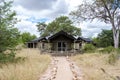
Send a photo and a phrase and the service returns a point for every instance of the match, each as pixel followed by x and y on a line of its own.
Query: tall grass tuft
pixel 9 57
pixel 113 54
pixel 112 58
pixel 30 69
pixel 89 48
pixel 91 65
pixel 107 50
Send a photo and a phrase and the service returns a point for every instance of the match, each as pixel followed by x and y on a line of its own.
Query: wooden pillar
pixel 80 45
pixel 49 50
pixel 41 45
pixel 74 46
pixel 27 45
pixel 33 45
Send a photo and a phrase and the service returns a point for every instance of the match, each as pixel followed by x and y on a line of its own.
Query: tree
pixel 41 27
pixel 103 10
pixel 60 23
pixel 26 37
pixel 8 34
pixel 105 39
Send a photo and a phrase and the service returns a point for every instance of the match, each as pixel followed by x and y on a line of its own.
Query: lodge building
pixel 60 42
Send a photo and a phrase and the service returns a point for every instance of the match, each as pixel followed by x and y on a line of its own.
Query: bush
pixel 9 57
pixel 114 54
pixel 108 49
pixel 112 58
pixel 89 48
pixel 118 51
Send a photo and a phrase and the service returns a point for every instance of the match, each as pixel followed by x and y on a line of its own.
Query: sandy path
pixel 63 72
pixel 62 69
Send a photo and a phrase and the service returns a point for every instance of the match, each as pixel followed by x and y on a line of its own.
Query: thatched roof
pixel 63 33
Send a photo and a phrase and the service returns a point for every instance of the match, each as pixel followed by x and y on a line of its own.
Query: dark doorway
pixel 61 46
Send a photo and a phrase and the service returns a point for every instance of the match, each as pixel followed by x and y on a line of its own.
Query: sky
pixel 29 12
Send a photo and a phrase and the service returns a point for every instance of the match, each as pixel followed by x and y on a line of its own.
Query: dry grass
pixel 91 65
pixel 30 69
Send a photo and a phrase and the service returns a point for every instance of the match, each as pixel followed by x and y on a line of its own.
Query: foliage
pixel 118 51
pixel 60 23
pixel 8 34
pixel 112 58
pixel 89 48
pixel 105 39
pixel 108 50
pixel 103 10
pixel 10 57
pixel 41 27
pixel 26 37
pixel 30 69
pixel 113 54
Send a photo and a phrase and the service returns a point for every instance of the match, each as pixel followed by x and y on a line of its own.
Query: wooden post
pixel 49 46
pixel 33 45
pixel 74 46
pixel 41 45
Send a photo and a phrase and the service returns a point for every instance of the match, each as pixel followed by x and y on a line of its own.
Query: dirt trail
pixel 62 69
pixel 63 72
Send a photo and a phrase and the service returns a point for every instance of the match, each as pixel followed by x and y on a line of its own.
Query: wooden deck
pixel 62 53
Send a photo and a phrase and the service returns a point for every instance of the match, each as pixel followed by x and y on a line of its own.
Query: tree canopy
pixel 26 37
pixel 9 35
pixel 60 23
pixel 104 39
pixel 103 10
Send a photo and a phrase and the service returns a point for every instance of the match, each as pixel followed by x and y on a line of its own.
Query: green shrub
pixel 118 51
pixel 89 48
pixel 112 58
pixel 9 57
pixel 108 50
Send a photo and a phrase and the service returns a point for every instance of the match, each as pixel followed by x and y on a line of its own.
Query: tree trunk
pixel 116 38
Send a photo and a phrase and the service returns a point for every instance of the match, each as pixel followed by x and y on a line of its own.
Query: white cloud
pixel 28 11
pixel 60 8
pixel 36 5
pixel 1 1
pixel 38 10
pixel 73 4
pixel 91 29
pixel 27 26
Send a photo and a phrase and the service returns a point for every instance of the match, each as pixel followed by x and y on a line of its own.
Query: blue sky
pixel 32 11
pixel 35 20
